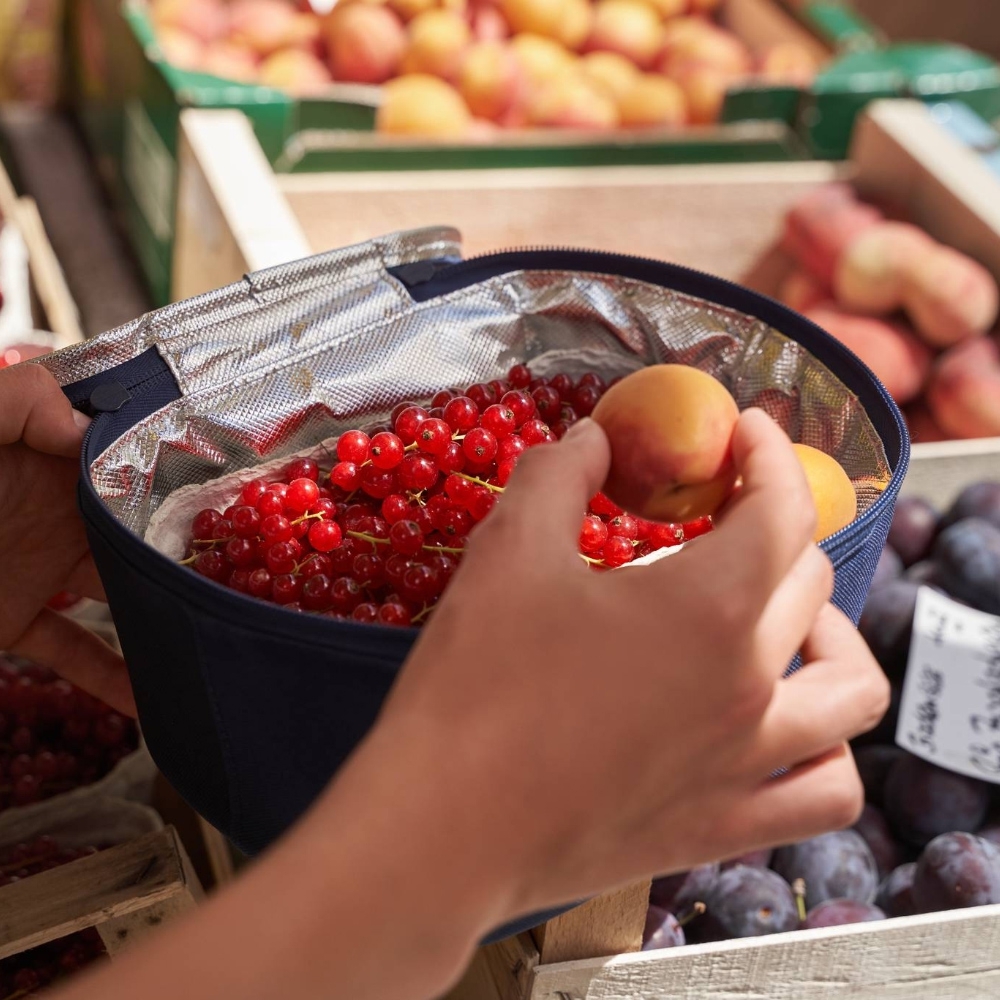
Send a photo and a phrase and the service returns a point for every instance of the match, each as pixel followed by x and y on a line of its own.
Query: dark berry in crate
pixel 874 763
pixel 978 500
pixel 895 894
pixel 956 870
pixel 914 525
pixel 746 902
pixel 968 558
pixel 835 865
pixel 678 893
pixel 923 801
pixel 889 568
pixel 887 625
pixel 874 829
pixel 839 912
pixel 662 930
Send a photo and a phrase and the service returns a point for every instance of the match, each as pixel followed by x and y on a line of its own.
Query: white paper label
pixel 950 709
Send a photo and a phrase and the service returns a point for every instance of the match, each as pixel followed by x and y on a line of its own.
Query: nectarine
pixel 576 24
pixel 964 391
pixel 437 43
pixel 670 428
pixel 231 62
pixel 538 17
pixel 572 101
pixel 422 105
pixel 789 63
pixel 800 290
pixel 610 70
pixel 629 27
pixel 489 25
pixel 831 488
pixel 491 80
pixel 364 43
pixel 265 26
pixel 542 59
pixel 205 20
pixel 181 49
pixel 653 101
pixel 296 71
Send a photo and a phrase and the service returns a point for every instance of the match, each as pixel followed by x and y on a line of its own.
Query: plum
pixel 681 891
pixel 924 573
pixel 873 763
pixel 836 865
pixel 662 930
pixel 957 870
pixel 968 559
pixel 887 623
pixel 923 801
pixel 914 525
pixel 875 830
pixel 838 912
pixel 991 833
pixel 895 894
pixel 978 500
pixel 889 568
pixel 752 859
pixel 746 902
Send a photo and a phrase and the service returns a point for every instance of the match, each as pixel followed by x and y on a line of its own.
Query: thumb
pixel 34 410
pixel 548 492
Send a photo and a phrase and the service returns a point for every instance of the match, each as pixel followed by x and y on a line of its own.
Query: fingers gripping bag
pixel 249 707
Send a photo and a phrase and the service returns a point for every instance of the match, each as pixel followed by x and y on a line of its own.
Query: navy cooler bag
pixel 249 708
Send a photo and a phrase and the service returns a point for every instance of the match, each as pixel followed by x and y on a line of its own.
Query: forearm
pixel 372 896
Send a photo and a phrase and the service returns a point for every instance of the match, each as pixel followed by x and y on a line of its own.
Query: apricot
pixel 265 26
pixel 231 62
pixel 296 71
pixel 181 49
pixel 801 290
pixel 205 20
pixel 789 63
pixel 364 43
pixel 823 224
pixel 491 80
pixel 572 101
pixel 489 25
pixel 670 428
pixel 576 24
pixel 653 101
pixel 899 359
pixel 541 59
pixel 610 70
pixel 438 40
pixel 537 17
pixel 630 27
pixel 964 391
pixel 421 104
pixel 870 273
pixel 712 47
pixel 705 89
pixel 831 488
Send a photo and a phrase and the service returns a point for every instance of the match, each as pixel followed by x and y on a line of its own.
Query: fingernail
pixel 581 428
pixel 81 420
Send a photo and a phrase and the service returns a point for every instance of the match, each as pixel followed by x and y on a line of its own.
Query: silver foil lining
pixel 297 354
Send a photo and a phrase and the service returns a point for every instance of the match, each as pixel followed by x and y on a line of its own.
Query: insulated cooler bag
pixel 249 708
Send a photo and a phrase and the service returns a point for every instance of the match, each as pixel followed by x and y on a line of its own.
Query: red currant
pixel 535 432
pixel 387 450
pixel 521 403
pixel 433 436
pixel 280 558
pixel 406 537
pixel 441 398
pixel 318 562
pixel 378 483
pixel 461 414
pixel 246 522
pixel 664 536
pixel 452 459
pixel 585 398
pixel 499 420
pixel 499 387
pixel 302 468
pixel 444 564
pixel 505 469
pixel 701 526
pixel 481 502
pixel 212 564
pixel 593 534
pixel 239 580
pixel 452 523
pixel 346 475
pixel 316 593
pixel 395 566
pixel 482 395
pixel 458 488
pixel 558 429
pixel 417 472
pixel 393 613
pixel 353 446
pixel 342 558
pixel 568 415
pixel 408 422
pixel 600 504
pixel 301 495
pixel 346 593
pixel 366 612
pixel 357 517
pixel 623 525
pixel 547 403
pixel 511 447
pixel 276 528
pixel 368 569
pixel 325 536
pixel 519 376
pixel 395 507
pixel 241 552
pixel 205 524
pixel 286 588
pixel 253 491
pixel 592 379
pixel 271 502
pixel 562 384
pixel 617 551
pixel 480 445
pixel 420 583
pixel 259 583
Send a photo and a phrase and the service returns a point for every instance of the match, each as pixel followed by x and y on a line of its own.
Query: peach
pixel 206 20
pixel 537 17
pixel 629 27
pixel 964 391
pixel 576 24
pixel 438 40
pixel 789 63
pixel 669 9
pixel 705 89
pixel 572 101
pixel 265 26
pixel 949 297
pixel 900 360
pixel 801 290
pixel 365 44
pixel 421 104
pixel 923 427
pixel 541 59
pixel 871 270
pixel 181 49
pixel 653 101
pixel 823 224
pixel 831 488
pixel 616 74
pixel 690 48
pixel 409 9
pixel 489 25
pixel 678 32
pixel 491 80
pixel 298 72
pixel 231 62
pixel 670 428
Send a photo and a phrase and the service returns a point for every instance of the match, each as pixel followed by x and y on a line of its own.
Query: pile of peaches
pixel 460 68
pixel 920 314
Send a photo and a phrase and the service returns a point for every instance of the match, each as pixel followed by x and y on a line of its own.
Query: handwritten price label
pixel 950 709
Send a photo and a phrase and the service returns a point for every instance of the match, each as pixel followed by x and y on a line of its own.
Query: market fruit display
pixel 53 736
pixel 582 64
pixel 920 314
pixel 928 839
pixel 376 534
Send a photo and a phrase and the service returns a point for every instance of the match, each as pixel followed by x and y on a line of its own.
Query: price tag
pixel 950 709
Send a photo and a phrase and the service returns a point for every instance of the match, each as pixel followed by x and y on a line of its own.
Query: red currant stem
pixel 442 548
pixel 365 537
pixel 457 437
pixel 697 909
pixel 418 497
pixel 592 562
pixel 481 482
pixel 412 446
pixel 799 888
pixel 189 560
pixel 636 543
pixel 309 517
pixel 349 495
pixel 421 614
pixel 212 541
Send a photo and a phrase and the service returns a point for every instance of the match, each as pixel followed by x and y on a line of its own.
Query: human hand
pixel 591 729
pixel 43 547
